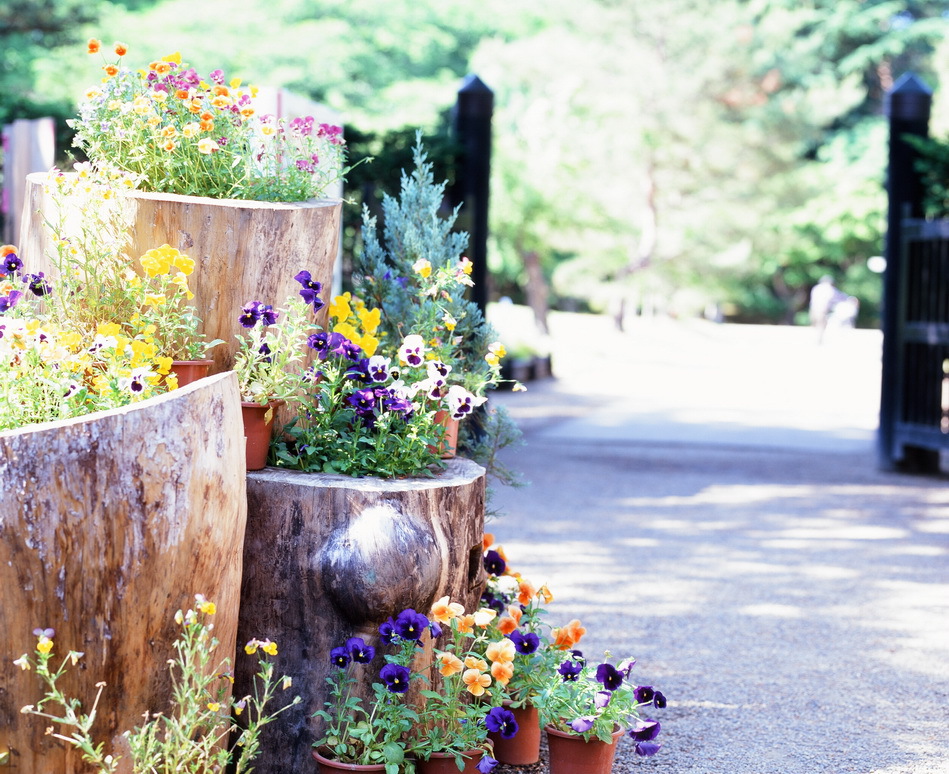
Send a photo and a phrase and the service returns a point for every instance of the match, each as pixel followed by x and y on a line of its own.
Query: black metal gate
pixel 922 348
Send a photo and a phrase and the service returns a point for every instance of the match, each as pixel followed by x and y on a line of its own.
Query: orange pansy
pixel 449 664
pixel 527 592
pixel 475 681
pixel 503 650
pixel 502 671
pixel 569 635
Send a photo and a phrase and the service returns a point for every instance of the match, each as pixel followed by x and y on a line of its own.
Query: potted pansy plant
pixel 270 359
pixel 587 707
pixel 371 732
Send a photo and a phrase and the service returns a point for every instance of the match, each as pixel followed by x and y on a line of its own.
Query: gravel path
pixel 791 603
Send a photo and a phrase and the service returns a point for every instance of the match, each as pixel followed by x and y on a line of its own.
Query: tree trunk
pixel 331 557
pixel 110 523
pixel 243 250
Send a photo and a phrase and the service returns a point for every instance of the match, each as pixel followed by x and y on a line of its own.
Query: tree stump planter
pixel 243 250
pixel 109 523
pixel 327 558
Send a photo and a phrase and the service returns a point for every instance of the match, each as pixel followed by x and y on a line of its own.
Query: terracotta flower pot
pixel 571 754
pixel 188 371
pixel 329 766
pixel 444 763
pixel 524 747
pixel 258 428
pixel 449 444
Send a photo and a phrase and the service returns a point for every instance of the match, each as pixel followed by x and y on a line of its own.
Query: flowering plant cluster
pixel 457 710
pixel 550 673
pixel 199 734
pixel 181 132
pixel 355 733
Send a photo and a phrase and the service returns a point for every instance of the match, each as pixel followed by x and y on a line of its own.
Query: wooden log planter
pixel 243 250
pixel 109 523
pixel 331 557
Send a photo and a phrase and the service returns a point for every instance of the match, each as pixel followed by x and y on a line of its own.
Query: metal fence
pixel 922 338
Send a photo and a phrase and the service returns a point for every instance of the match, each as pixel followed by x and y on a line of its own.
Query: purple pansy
pixel 310 292
pixel 607 674
pixel 487 764
pixel 647 748
pixel 10 301
pixel 340 657
pixel 644 694
pixel 359 651
pixel 11 264
pixel 37 284
pixel 387 631
pixel 395 677
pixel 501 721
pixel 602 699
pixel 644 730
pixel 494 563
pixel 524 642
pixel 570 670
pixel 582 725
pixel 409 624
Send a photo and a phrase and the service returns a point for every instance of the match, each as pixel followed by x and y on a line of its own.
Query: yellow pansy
pixel 175 57
pixel 339 308
pixel 163 365
pixel 369 344
pixel 155 299
pixel 369 318
pixel 422 267
pixel 108 329
pixel 348 331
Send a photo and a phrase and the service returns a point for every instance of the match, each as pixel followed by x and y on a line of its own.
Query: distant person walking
pixel 824 297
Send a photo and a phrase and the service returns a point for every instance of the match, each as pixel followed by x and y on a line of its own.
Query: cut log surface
pixel 327 558
pixel 109 523
pixel 243 250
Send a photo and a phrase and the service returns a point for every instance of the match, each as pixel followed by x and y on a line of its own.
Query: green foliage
pixel 933 167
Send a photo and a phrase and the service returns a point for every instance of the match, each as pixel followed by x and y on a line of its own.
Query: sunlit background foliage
pixel 677 156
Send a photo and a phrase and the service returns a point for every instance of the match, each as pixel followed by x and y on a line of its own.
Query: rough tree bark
pixel 109 523
pixel 331 557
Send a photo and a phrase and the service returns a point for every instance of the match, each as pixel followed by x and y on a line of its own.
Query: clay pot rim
pixel 343 764
pixel 573 735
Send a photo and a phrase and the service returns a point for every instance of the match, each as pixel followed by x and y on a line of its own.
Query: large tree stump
pixel 331 557
pixel 243 250
pixel 109 523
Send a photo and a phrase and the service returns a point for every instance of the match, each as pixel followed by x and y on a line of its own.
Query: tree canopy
pixel 669 155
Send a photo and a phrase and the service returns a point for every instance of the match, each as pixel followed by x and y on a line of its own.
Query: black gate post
pixel 908 106
pixel 471 122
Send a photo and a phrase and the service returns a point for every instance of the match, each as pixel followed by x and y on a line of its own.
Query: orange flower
pixel 449 664
pixel 247 112
pixel 7 249
pixel 502 671
pixel 195 106
pixel 501 651
pixel 221 91
pixel 473 662
pixel 169 131
pixel 93 46
pixel 162 67
pixel 487 541
pixel 207 116
pixel 443 610
pixel 111 70
pixel 206 126
pixel 507 625
pixel 121 49
pixel 466 624
pixel 475 681
pixel 515 613
pixel 568 636
pixel 527 592
pixel 169 146
pixel 545 594
pixel 181 93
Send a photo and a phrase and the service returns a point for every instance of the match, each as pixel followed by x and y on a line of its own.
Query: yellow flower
pixel 181 280
pixel 207 146
pixel 179 260
pixel 169 131
pixel 208 608
pixel 171 382
pixel 163 365
pixel 422 267
pixel 155 299
pixel 191 130
pixel 175 57
pixel 267 130
pixel 369 318
pixel 348 331
pixel 269 647
pixel 251 647
pixel 465 265
pixel 44 644
pixel 369 345
pixel 450 322
pixel 214 706
pixel 108 329
pixel 23 662
pixel 339 308
pixel 235 83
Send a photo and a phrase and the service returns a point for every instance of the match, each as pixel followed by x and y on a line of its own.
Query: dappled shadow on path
pixel 794 607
